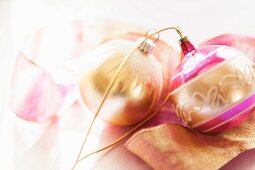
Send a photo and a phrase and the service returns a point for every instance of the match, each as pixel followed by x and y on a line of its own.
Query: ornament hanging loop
pixel 185 44
pixel 150 30
pixel 176 28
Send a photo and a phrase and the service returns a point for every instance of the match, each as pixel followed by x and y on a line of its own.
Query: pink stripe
pixel 227 115
pixel 232 123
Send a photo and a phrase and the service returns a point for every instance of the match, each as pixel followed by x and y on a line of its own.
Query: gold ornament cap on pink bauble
pixel 137 89
pixel 213 88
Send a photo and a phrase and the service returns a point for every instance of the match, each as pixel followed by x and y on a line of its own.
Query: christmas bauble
pixel 243 43
pixel 136 91
pixel 213 88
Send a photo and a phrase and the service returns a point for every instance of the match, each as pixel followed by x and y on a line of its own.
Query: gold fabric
pixel 175 147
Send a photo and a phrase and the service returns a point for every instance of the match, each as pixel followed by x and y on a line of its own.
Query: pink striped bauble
pixel 213 88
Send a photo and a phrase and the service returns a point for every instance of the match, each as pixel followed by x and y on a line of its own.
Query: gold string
pixel 129 132
pixel 113 80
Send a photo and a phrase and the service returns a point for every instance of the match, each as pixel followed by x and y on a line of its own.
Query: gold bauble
pixel 136 91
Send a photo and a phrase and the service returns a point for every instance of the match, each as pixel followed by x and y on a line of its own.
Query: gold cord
pixel 129 132
pixel 111 84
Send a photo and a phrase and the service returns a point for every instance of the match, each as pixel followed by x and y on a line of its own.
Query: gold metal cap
pixel 147 46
